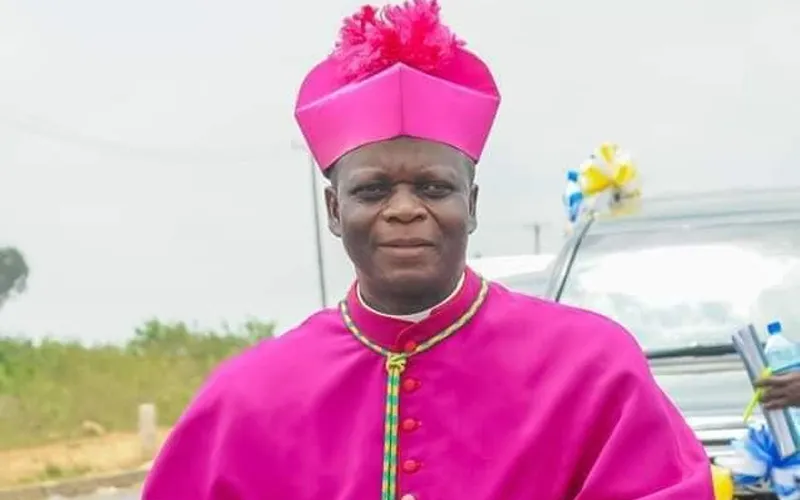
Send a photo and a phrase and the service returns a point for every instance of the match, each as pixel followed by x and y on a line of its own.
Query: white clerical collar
pixel 414 317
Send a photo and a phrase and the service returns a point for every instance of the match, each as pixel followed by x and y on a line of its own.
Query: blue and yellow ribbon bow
pixel 758 462
pixel 608 171
pixel 608 168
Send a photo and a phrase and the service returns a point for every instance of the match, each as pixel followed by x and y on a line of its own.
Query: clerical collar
pixel 414 317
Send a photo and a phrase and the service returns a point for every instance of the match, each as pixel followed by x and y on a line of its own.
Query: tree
pixel 13 273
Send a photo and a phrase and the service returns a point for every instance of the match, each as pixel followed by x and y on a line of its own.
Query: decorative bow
pixel 757 461
pixel 608 171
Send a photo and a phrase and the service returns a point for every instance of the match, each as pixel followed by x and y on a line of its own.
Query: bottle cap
pixel 774 328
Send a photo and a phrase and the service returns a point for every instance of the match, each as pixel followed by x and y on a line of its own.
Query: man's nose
pixel 404 205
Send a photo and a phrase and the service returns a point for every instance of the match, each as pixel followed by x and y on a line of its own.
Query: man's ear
pixel 332 204
pixel 472 223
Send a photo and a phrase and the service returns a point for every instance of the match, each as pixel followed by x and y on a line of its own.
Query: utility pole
pixel 537 236
pixel 317 224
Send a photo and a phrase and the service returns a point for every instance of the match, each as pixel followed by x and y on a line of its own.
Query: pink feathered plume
pixel 412 33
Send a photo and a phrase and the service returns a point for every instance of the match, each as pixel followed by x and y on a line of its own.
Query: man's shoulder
pixel 271 360
pixel 547 321
pixel 584 347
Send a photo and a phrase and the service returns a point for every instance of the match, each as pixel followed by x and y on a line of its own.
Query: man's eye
pixel 436 189
pixel 371 191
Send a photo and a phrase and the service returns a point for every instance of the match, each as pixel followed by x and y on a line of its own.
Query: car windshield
pixel 690 285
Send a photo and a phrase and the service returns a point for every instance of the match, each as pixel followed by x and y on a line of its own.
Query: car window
pixel 693 284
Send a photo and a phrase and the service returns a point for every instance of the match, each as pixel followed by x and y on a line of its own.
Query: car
pixel 682 273
pixel 525 272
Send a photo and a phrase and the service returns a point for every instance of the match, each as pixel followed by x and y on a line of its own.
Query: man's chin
pixel 414 279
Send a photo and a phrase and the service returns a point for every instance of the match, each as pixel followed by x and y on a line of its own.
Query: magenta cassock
pixel 531 400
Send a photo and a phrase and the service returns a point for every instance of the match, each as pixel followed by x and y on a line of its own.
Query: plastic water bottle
pixel 783 356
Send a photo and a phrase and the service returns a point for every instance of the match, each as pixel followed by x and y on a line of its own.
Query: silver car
pixel 682 274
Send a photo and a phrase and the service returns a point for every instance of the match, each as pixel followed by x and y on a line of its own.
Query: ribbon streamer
pixel 756 399
pixel 610 173
pixel 573 197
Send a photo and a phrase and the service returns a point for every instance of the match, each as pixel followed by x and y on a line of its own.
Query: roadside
pixel 105 487
pixel 80 416
pixel 74 467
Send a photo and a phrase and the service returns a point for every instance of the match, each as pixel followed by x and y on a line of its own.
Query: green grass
pixel 48 389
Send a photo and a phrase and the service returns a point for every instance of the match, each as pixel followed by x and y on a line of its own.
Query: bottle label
pixel 784 359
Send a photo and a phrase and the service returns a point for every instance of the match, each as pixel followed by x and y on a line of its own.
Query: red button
pixel 410 346
pixel 410 424
pixel 411 384
pixel 411 466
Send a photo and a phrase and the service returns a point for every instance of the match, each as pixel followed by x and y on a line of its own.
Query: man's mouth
pixel 406 243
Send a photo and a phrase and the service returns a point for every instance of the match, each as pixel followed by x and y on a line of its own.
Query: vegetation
pixel 51 391
pixel 13 273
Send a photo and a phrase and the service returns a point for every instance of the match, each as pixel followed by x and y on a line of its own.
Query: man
pixel 427 383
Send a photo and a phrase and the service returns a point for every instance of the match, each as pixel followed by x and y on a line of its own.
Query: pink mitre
pixel 397 71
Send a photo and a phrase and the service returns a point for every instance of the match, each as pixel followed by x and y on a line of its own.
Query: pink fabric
pixel 530 400
pixel 456 106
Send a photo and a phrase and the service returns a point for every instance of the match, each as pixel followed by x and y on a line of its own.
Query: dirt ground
pixel 95 455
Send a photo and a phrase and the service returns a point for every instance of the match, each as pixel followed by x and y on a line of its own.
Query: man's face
pixel 404 210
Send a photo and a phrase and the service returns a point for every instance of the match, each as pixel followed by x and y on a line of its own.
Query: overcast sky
pixel 146 166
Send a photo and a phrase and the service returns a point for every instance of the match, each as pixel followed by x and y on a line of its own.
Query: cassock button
pixel 409 424
pixel 408 496
pixel 411 466
pixel 411 384
pixel 410 346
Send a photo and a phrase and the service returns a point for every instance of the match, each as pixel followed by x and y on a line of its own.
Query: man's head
pixel 404 209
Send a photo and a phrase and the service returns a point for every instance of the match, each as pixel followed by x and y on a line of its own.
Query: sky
pixel 146 159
